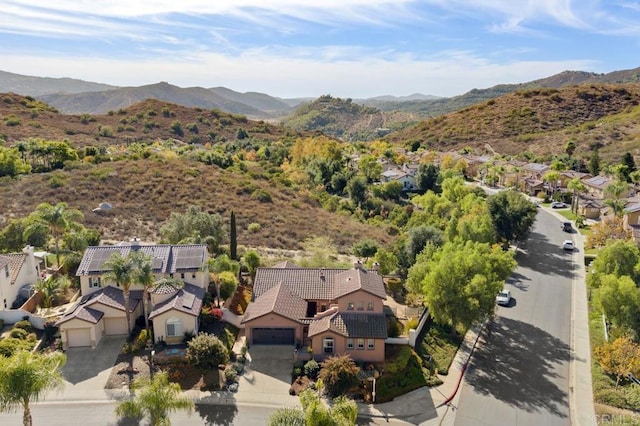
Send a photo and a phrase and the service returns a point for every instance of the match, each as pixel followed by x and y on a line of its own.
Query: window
pixel 6 270
pixel 327 345
pixel 174 327
pixel 371 345
pixel 182 276
pixel 350 306
pixel 193 275
pixel 349 343
pixel 361 305
pixel 369 306
pixel 94 282
pixel 360 343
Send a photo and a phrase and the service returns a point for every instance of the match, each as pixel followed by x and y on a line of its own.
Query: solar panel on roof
pixel 98 258
pixel 157 263
pixel 188 299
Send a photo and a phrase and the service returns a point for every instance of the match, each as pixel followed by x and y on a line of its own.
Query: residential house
pixel 17 270
pixel 589 208
pixel 332 311
pixel 632 219
pixel 569 175
pixel 405 177
pixel 535 170
pixel 174 310
pixel 597 186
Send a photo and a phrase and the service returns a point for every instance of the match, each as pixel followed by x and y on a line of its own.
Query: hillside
pixel 144 193
pixel 539 121
pixel 346 120
pixel 37 86
pixel 24 117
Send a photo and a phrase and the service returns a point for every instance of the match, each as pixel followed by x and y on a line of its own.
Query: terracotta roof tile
pixel 279 300
pixel 187 300
pixel 15 262
pixel 82 313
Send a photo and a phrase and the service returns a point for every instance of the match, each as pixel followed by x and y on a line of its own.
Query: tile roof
pixel 112 297
pixel 83 313
pixel 187 300
pixel 15 262
pixel 167 259
pixel 278 300
pixel 372 326
pixel 599 182
pixel 536 167
pixel 319 283
pixel 285 264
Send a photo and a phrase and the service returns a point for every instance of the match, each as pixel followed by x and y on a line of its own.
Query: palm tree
pixel 120 270
pixel 552 181
pixel 615 191
pixel 155 398
pixel 51 289
pixel 143 276
pixel 578 187
pixel 26 377
pixel 59 219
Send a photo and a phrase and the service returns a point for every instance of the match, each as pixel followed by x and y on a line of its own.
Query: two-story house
pixel 173 309
pixel 16 270
pixel 332 311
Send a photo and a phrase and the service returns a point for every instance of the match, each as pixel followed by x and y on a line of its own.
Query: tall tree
pixel 512 216
pixel 252 260
pixel 578 187
pixel 58 218
pixel 619 299
pixel 194 225
pixel 594 163
pixel 156 399
pixel 142 275
pixel 619 358
pixel 615 191
pixel 52 289
pixel 233 237
pixel 120 269
pixel 26 377
pixel 629 162
pixel 461 281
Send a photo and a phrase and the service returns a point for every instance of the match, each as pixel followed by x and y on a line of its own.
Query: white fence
pixel 12 316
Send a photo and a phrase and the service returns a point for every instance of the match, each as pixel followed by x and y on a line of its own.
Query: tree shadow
pixel 518 280
pixel 217 414
pixel 548 259
pixel 521 367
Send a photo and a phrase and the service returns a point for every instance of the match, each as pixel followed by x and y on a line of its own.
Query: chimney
pixel 135 242
pixel 322 274
pixel 376 266
pixel 357 264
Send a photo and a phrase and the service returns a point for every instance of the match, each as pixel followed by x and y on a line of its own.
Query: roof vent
pixel 135 242
pixel 376 266
pixel 357 264
pixel 322 274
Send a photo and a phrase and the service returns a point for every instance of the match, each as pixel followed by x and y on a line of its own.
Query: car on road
pixel 566 226
pixel 568 245
pixel 504 298
pixel 558 205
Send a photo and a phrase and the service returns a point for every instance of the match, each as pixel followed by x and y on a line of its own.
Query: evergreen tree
pixel 233 238
pixel 594 163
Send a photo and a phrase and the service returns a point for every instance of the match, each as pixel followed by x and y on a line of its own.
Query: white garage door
pixel 114 326
pixel 79 337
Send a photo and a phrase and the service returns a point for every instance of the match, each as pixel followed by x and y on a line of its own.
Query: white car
pixel 568 245
pixel 558 205
pixel 504 298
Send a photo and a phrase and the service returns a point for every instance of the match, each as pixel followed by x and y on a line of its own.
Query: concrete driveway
pixel 92 365
pixel 267 375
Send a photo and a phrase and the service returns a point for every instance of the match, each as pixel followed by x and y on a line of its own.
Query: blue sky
pixel 345 48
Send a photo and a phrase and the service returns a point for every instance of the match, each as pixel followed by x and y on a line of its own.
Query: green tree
pixel 228 284
pixel 194 225
pixel 252 261
pixel 570 147
pixel 343 412
pixel 26 377
pixel 119 269
pixel 462 279
pixel 52 289
pixel 370 168
pixel 618 258
pixel 142 275
pixel 365 248
pixel 619 299
pixel 59 219
pixel 629 162
pixel 512 216
pixel 206 352
pixel 427 177
pixel 233 237
pixel 594 163
pixel 11 164
pixel 419 237
pixel 155 399
pixel 357 190
pixel 615 191
pixel 287 416
pixel 339 374
pixel 387 261
pixel 578 187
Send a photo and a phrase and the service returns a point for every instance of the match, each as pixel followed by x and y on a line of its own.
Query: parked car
pixel 558 205
pixel 566 226
pixel 568 245
pixel 504 298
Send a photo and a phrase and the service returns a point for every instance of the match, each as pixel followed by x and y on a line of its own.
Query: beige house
pixel 16 271
pixel 173 309
pixel 332 311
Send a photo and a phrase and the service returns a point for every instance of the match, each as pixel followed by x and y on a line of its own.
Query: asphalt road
pixel 519 374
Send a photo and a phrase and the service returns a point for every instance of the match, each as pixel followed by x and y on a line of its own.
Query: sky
pixel 308 48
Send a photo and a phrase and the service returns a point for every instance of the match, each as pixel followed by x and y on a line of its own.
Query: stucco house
pixel 405 176
pixel 16 270
pixel 332 311
pixel 173 309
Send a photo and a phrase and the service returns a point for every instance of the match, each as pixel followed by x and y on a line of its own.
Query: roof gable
pixel 187 300
pixel 15 261
pixel 278 300
pixel 372 326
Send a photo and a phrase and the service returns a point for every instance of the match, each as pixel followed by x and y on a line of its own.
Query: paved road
pixel 519 374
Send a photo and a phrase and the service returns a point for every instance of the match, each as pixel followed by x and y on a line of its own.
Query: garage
pixel 273 336
pixel 115 326
pixel 79 337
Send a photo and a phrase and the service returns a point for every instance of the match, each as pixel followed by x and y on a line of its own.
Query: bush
pixel 339 374
pixel 230 375
pixel 253 227
pixel 394 327
pixel 11 345
pixel 25 325
pixel 311 369
pixel 287 416
pixel 19 333
pixel 206 352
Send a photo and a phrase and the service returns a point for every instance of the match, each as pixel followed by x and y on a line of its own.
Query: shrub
pixel 10 345
pixel 287 416
pixel 230 375
pixel 24 324
pixel 262 196
pixel 297 371
pixel 188 336
pixel 339 374
pixel 19 333
pixel 412 323
pixel 394 327
pixel 253 227
pixel 206 351
pixel 311 369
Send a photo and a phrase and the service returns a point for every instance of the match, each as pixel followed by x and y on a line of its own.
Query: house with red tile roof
pixel 174 309
pixel 332 311
pixel 16 271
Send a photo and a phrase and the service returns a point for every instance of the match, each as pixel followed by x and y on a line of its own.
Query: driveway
pixel 92 365
pixel 267 375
